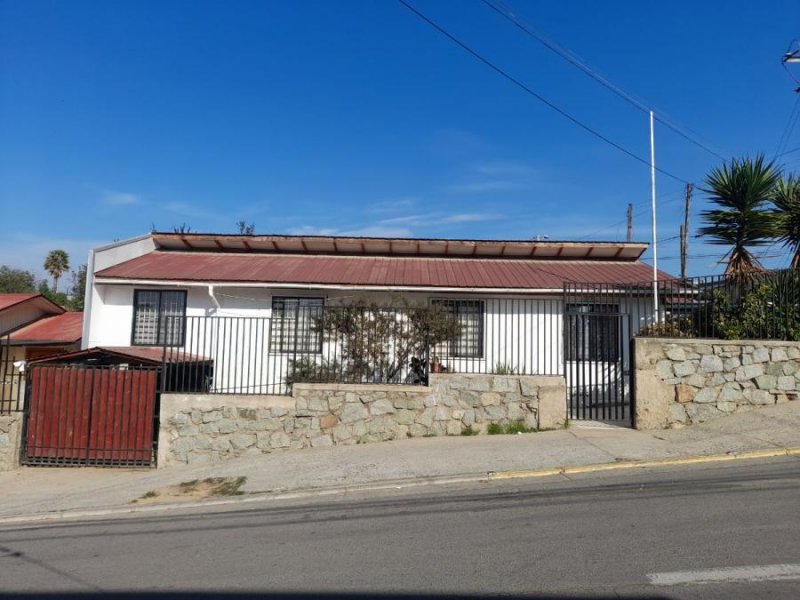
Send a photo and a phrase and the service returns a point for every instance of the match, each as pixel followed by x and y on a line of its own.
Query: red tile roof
pixel 368 271
pixel 7 300
pixel 65 328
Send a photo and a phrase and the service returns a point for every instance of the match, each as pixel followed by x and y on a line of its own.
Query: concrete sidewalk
pixel 38 491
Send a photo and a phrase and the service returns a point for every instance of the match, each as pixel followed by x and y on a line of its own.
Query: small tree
pixel 786 199
pixel 56 263
pixel 78 289
pixel 245 228
pixel 16 281
pixel 375 343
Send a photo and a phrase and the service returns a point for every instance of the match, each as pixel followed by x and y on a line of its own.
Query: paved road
pixel 605 536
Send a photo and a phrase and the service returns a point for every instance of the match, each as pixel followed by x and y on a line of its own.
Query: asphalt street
pixel 724 531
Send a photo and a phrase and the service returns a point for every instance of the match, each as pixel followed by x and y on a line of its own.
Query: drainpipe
pixel 214 298
pixel 88 293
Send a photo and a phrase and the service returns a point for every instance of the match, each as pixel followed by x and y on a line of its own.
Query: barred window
pixel 593 332
pixel 293 325
pixel 159 318
pixel 469 314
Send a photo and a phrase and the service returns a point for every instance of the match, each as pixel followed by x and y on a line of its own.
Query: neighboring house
pixel 32 327
pixel 247 303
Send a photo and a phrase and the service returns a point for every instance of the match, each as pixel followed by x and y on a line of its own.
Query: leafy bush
pixel 504 369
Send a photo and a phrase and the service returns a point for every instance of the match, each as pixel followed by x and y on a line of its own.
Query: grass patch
pixel 567 424
pixel 495 429
pixel 469 431
pixel 226 486
pixel 512 428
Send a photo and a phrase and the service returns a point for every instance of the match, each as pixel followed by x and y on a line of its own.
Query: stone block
pixel 240 441
pixel 211 416
pixel 479 384
pixel 676 413
pixel 787 383
pixel 341 433
pixel 454 428
pixel 731 364
pixel 774 369
pixel 767 382
pixel 318 405
pixel 687 367
pixel 506 384
pixel 179 419
pixel 696 380
pixel 664 369
pixel 442 414
pixel 729 394
pixel 328 421
pixel 779 354
pixel 760 355
pixel 675 353
pixel 711 364
pixel 381 406
pixel 706 395
pixel 746 372
pixel 703 349
pixel 469 417
pixel 226 426
pixel 515 412
pixel 321 441
pixel 684 393
pixel 759 397
pixel 405 417
pixel 230 412
pixel 425 418
pixel 793 352
pixel 726 407
pixel 701 412
pixel 353 412
pixel 789 368
pixel 417 430
pixel 279 440
pixel 491 399
pixel 495 413
pixel 528 387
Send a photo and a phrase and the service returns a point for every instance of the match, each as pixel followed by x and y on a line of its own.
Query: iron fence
pixel 12 378
pixel 363 344
pixel 763 305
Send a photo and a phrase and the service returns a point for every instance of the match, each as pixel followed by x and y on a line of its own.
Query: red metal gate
pixel 85 415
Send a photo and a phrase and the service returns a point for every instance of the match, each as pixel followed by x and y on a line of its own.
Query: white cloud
pixel 489 185
pixel 504 167
pixel 380 231
pixel 471 217
pixel 393 204
pixel 28 251
pixel 120 198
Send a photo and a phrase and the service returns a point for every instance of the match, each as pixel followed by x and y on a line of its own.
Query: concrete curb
pixel 639 464
pixel 400 484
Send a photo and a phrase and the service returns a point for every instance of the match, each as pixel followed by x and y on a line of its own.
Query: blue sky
pixel 357 117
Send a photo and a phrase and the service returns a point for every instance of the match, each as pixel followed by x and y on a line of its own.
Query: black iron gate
pixel 597 333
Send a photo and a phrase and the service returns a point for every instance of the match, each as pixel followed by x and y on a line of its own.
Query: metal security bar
pixel 363 343
pixel 12 379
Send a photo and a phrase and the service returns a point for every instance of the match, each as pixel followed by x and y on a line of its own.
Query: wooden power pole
pixel 685 230
pixel 630 222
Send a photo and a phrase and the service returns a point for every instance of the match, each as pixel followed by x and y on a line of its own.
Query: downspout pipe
pixel 214 298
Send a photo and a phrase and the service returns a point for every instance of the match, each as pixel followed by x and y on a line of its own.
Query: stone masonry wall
pixel 207 428
pixel 679 381
pixel 10 439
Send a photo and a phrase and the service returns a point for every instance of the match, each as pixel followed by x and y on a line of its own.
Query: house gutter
pixel 315 286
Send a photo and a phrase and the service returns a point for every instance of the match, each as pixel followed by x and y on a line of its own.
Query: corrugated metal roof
pixel 7 300
pixel 61 329
pixel 368 271
pixel 151 355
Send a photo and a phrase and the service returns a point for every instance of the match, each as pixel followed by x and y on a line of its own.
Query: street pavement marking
pixel 727 575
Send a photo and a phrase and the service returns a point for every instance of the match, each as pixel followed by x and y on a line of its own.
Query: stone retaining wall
pixel 208 428
pixel 680 381
pixel 10 439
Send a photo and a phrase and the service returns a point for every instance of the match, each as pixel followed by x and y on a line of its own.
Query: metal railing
pixel 763 305
pixel 12 379
pixel 364 344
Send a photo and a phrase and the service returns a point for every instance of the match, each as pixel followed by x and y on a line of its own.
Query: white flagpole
pixel 653 207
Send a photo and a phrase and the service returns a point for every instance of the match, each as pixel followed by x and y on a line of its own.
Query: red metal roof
pixel 65 328
pixel 152 355
pixel 368 271
pixel 7 300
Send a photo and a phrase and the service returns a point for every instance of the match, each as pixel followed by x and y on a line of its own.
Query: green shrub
pixel 519 427
pixel 469 431
pixel 504 369
pixel 495 429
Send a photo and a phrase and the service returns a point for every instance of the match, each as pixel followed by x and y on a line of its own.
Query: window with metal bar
pixel 592 332
pixel 159 318
pixel 293 328
pixel 469 315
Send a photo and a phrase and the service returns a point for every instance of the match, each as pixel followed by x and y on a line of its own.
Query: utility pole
pixel 630 222
pixel 685 230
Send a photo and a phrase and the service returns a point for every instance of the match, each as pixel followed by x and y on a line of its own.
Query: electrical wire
pixel 531 92
pixel 506 12
pixel 794 116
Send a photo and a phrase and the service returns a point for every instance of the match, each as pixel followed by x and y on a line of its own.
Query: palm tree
pixel 742 191
pixel 786 199
pixel 56 263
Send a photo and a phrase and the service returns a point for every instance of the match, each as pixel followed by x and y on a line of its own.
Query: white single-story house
pixel 247 302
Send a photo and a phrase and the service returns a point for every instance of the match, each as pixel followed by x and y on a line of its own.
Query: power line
pixel 530 91
pixel 574 60
pixel 794 116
